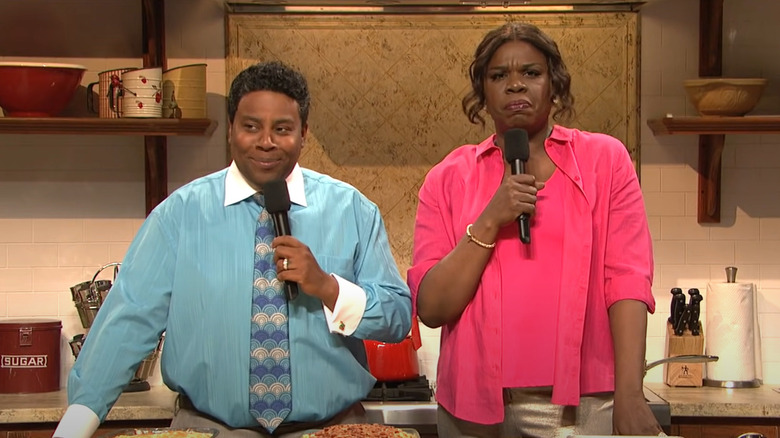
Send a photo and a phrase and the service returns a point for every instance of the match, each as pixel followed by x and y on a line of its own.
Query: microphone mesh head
pixel 277 198
pixel 516 145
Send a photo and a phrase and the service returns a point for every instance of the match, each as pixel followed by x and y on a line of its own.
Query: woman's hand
pixel 632 416
pixel 516 195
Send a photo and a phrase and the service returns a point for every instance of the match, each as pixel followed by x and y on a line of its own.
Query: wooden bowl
pixel 725 96
pixel 36 89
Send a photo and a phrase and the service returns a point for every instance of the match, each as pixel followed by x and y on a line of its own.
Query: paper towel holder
pixel 731 274
pixel 755 383
pixel 731 277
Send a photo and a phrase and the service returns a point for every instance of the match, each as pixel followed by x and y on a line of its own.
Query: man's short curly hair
pixel 270 76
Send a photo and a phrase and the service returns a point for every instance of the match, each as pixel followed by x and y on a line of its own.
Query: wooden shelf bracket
pixel 710 154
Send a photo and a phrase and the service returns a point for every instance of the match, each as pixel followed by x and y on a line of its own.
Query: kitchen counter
pixel 48 407
pixel 761 402
pixel 157 404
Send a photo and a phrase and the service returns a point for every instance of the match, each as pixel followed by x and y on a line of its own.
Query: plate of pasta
pixel 164 432
pixel 361 431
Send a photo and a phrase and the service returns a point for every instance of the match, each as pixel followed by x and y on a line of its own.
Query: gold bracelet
pixel 477 241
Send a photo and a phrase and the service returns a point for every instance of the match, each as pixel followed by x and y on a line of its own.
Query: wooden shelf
pixel 707 125
pixel 155 132
pixel 712 133
pixel 97 126
pixel 712 130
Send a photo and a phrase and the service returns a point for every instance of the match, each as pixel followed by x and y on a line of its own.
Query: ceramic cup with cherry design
pixel 142 92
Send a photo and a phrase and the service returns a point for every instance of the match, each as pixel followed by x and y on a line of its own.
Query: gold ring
pixel 284 265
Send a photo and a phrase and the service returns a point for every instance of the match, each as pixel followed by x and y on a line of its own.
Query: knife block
pixel 683 373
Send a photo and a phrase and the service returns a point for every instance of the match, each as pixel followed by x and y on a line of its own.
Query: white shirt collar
pixel 237 189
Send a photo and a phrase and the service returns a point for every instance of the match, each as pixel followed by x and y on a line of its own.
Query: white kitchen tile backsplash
pixel 58 230
pixel 22 255
pixel 741 227
pixel 108 230
pixel 655 351
pixel 770 354
pixel 711 252
pixel 769 278
pixel 758 155
pixel 769 228
pixel 83 254
pixel 668 276
pixel 666 204
pixel 46 249
pixel 651 180
pixel 18 280
pixel 33 304
pixel 684 228
pixel 671 251
pixel 771 374
pixel 674 150
pixel 15 230
pixel 692 204
pixel 757 252
pixel 770 326
pixel 678 179
pixel 53 279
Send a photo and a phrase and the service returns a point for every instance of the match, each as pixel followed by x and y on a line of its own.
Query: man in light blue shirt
pixel 189 273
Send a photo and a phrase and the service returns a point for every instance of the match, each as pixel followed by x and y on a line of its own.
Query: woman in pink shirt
pixel 545 338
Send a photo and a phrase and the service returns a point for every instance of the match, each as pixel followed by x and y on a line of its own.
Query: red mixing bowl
pixel 36 89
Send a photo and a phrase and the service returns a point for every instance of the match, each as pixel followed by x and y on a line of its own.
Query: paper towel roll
pixel 731 332
pixel 757 340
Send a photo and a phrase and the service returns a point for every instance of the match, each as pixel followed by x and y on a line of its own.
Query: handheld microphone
pixel 516 151
pixel 277 202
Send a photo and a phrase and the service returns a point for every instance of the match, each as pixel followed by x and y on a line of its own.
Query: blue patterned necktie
pixel 270 383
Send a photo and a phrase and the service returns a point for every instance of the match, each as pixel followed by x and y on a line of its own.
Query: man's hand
pixel 301 267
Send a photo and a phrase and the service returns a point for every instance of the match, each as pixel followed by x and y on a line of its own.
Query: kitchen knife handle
pixel 676 291
pixel 693 324
pixel 678 307
pixel 679 329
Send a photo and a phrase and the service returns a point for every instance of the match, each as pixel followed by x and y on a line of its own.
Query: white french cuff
pixel 78 422
pixel 348 310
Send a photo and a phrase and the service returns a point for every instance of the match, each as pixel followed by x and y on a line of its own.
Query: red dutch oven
pixel 389 362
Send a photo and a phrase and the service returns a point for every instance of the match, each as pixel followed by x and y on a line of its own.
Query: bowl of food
pixel 725 96
pixel 37 89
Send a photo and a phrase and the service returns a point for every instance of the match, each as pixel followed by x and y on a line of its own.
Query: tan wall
pixel 387 90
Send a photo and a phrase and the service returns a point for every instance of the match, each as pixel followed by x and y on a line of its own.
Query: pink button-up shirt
pixel 607 256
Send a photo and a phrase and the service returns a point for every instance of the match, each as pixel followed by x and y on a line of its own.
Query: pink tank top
pixel 530 291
